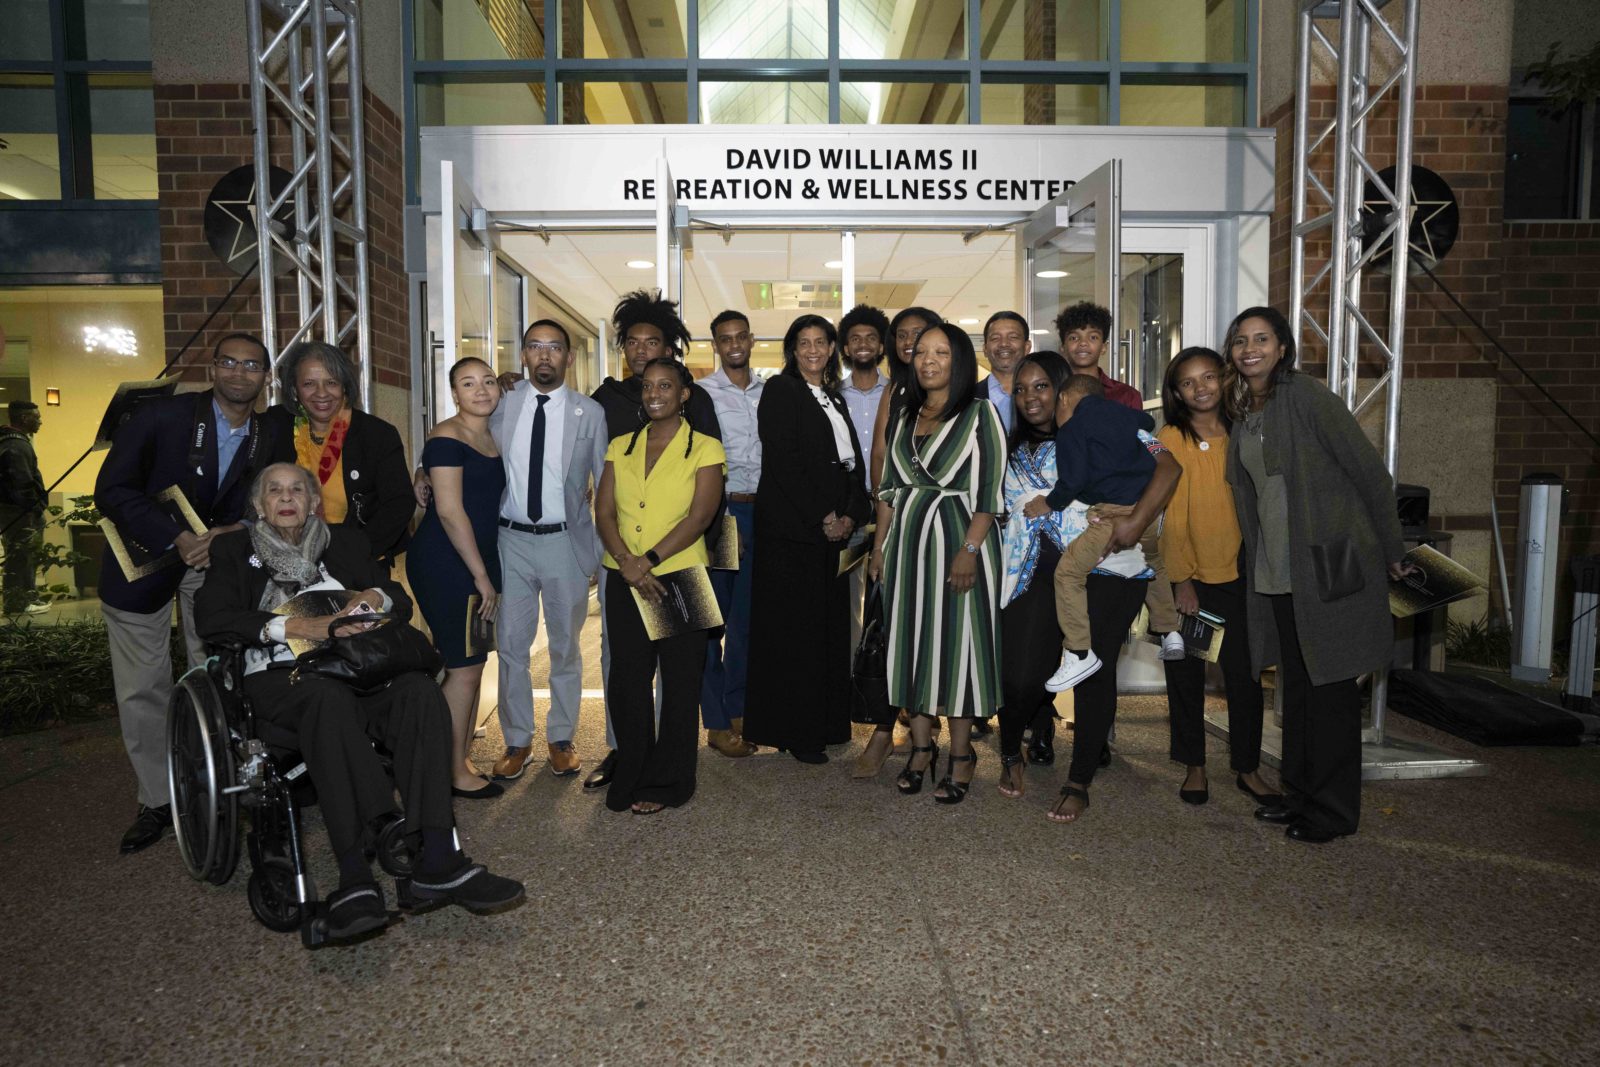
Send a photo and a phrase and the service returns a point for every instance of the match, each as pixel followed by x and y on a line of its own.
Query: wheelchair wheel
pixel 272 895
pixel 205 818
pixel 396 852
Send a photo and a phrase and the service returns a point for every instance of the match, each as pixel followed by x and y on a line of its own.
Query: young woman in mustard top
pixel 657 495
pixel 1200 541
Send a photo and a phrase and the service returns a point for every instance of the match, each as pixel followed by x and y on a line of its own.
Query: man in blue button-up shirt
pixel 736 393
pixel 1005 341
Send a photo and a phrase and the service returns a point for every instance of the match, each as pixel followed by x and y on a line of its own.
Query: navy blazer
pixel 150 453
pixel 377 482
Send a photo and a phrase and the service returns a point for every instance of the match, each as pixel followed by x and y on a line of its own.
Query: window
pixel 1549 160
pixel 99 80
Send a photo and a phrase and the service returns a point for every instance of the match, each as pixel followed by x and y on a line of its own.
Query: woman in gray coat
pixel 1321 539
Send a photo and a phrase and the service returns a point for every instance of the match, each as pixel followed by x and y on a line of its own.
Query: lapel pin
pixel 354 475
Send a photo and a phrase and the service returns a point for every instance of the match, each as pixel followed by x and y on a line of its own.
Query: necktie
pixel 536 463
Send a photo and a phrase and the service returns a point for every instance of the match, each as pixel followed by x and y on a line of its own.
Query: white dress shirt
pixel 843 432
pixel 552 504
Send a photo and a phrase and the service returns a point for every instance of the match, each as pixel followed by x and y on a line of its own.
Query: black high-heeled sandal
pixel 908 781
pixel 955 792
pixel 1006 763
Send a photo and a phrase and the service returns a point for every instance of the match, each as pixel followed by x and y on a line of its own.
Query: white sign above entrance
pixel 567 173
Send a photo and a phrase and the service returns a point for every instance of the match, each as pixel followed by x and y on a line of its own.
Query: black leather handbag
pixel 368 660
pixel 869 671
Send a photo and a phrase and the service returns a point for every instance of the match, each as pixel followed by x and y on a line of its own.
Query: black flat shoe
pixel 1280 814
pixel 470 885
pixel 1312 835
pixel 1267 800
pixel 147 828
pixel 356 910
pixel 810 757
pixel 1195 796
pixel 1041 752
pixel 487 791
pixel 601 776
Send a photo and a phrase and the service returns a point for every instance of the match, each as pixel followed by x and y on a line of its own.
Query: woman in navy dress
pixel 455 553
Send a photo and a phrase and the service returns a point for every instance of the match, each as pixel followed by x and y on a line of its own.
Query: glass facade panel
pixel 122 126
pixel 507 318
pixel 625 29
pixel 1210 104
pixel 27 32
pixel 479 102
pixel 478 29
pixel 901 29
pixel 772 29
pixel 606 103
pixel 1073 30
pixel 108 29
pixel 764 102
pixel 1044 105
pixel 30 164
pixel 902 103
pixel 1183 31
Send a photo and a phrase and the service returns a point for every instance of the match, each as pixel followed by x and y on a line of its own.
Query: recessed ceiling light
pixel 1037 274
pixel 763 344
pixel 966 322
pixel 834 264
pixel 640 264
pixel 1042 333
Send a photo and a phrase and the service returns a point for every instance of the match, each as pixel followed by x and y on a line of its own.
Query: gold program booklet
pixel 689 604
pixel 1436 580
pixel 135 559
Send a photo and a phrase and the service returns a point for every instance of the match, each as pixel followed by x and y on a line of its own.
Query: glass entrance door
pixel 461 256
pixel 1078 232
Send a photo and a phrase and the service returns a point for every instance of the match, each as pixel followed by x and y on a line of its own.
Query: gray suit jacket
pixel 583 454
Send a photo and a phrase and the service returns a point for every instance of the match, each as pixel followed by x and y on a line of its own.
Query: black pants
pixel 20 581
pixel 1186 687
pixel 335 730
pixel 653 765
pixel 1321 735
pixel 1030 651
pixel 1113 605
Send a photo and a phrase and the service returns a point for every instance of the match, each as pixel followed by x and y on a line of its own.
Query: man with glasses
pixel 209 446
pixel 553 442
pixel 646 326
pixel 736 392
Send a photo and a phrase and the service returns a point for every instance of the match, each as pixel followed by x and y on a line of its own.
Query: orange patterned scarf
pixel 325 460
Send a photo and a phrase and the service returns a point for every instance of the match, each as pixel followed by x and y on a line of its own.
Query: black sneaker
pixel 356 910
pixel 147 828
pixel 470 885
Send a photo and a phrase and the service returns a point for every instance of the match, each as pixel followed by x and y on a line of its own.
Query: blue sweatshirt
pixel 1099 457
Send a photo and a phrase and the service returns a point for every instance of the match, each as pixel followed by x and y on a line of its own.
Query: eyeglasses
pixel 249 366
pixel 555 348
pixel 648 343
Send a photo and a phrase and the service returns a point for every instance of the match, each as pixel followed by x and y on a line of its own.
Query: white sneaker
pixel 38 607
pixel 1074 669
pixel 1172 646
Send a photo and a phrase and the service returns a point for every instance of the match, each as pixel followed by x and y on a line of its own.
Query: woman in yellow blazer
pixel 1200 543
pixel 658 493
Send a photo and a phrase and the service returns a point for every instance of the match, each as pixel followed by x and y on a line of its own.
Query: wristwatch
pixel 655 560
pixel 971 548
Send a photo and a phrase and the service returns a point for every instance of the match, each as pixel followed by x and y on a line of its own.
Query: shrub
pixel 59 673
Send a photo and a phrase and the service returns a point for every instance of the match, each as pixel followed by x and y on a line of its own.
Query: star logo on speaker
pixel 243 212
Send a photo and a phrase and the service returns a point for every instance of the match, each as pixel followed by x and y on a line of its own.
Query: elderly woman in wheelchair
pixel 253 574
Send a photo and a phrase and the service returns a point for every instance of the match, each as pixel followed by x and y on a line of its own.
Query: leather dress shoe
pixel 512 765
pixel 601 776
pixel 729 744
pixel 147 828
pixel 1277 813
pixel 564 761
pixel 1307 834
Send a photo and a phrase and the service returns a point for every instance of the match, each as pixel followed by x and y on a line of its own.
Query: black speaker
pixel 1411 501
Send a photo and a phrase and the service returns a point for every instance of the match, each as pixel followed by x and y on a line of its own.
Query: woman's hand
pixel 1036 508
pixel 963 571
pixel 875 564
pixel 490 595
pixel 1187 598
pixel 1399 569
pixel 634 570
pixel 421 487
pixel 651 589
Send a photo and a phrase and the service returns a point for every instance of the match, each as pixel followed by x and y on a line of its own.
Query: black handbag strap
pixel 376 617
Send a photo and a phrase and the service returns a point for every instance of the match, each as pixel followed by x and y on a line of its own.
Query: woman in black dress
pixel 455 553
pixel 813 496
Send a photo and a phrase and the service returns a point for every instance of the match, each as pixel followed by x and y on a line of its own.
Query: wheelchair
pixel 220 759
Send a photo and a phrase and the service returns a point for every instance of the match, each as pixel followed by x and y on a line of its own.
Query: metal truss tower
pixel 319 246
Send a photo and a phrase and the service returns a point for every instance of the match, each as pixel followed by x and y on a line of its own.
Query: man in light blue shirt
pixel 864 333
pixel 1005 341
pixel 736 393
pixel 229 438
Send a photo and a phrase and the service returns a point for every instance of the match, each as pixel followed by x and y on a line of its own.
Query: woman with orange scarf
pixel 358 458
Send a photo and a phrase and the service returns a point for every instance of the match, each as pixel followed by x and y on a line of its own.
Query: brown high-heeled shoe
pixel 868 765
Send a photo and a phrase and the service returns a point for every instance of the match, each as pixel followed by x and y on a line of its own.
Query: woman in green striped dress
pixel 938 553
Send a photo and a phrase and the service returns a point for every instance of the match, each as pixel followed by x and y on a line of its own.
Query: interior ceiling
pixel 590 272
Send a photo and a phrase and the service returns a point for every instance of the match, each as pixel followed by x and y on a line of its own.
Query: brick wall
pixel 1534 285
pixel 202 132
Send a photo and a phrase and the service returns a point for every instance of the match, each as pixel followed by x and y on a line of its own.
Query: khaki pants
pixel 1084 555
